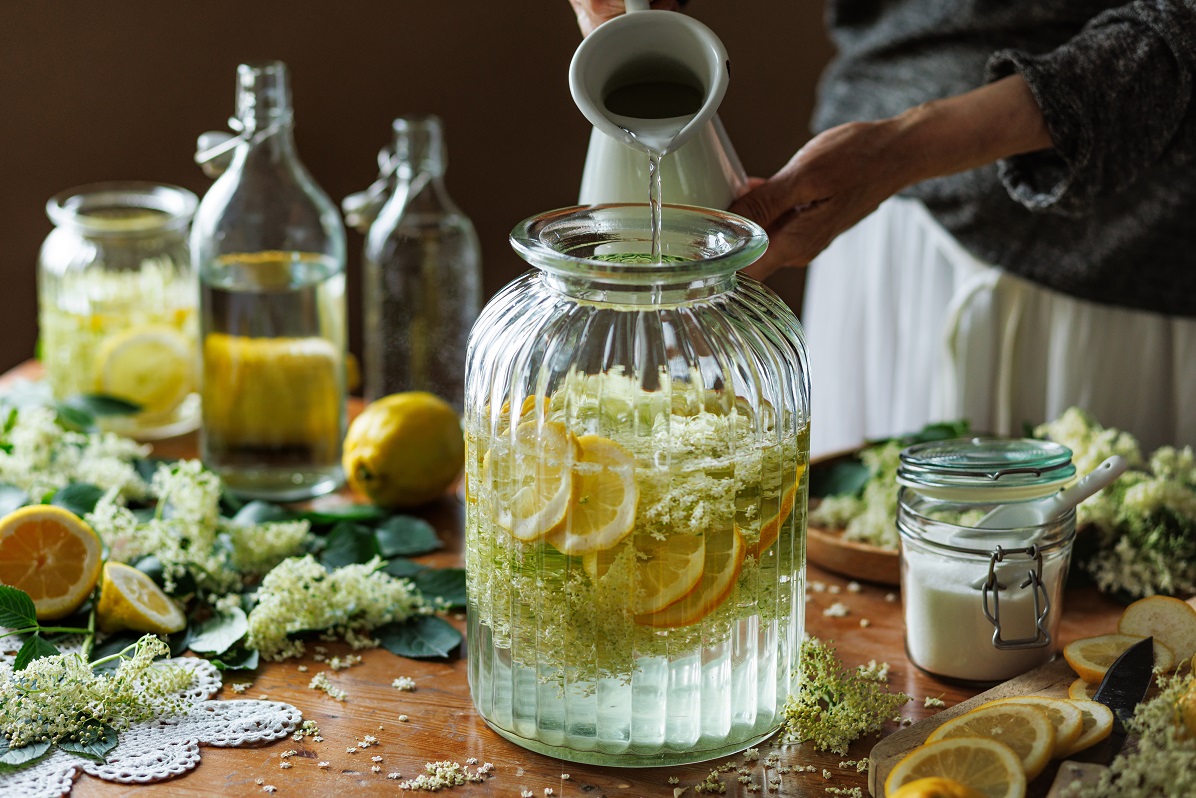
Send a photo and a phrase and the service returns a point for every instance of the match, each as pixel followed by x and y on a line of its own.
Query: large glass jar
pixel 637 435
pixel 117 303
pixel 982 603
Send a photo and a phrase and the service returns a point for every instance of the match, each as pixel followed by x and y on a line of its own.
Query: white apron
pixel 905 327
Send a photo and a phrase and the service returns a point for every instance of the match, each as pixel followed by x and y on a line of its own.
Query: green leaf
pixel 349 544
pixel 447 584
pixel 406 536
pixel 98 741
pixel 100 405
pixel 16 608
pixel 237 659
pixel 220 632
pixel 260 512
pixel 16 757
pixel 79 497
pixel 401 567
pixel 358 513
pixel 11 497
pixel 839 478
pixel 35 647
pixel 75 418
pixel 421 637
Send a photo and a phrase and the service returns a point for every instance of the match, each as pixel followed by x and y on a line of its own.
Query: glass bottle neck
pixel 419 147
pixel 264 100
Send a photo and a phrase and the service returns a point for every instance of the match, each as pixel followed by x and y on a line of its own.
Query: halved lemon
pixel 1027 730
pixel 152 365
pixel 1096 725
pixel 725 551
pixel 602 508
pixel 935 787
pixel 531 480
pixel 1090 657
pixel 987 766
pixel 51 554
pixel 129 599
pixel 764 518
pixel 1066 718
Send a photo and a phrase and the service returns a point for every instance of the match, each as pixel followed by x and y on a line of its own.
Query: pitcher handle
pixel 635 5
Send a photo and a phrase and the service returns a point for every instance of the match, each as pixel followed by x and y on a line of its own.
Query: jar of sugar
pixel 982 604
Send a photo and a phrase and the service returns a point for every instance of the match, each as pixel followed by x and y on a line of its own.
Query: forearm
pixel 951 135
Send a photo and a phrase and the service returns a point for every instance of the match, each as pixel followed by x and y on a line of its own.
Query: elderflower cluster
pixel 39 456
pixel 446 775
pixel 1164 760
pixel 60 697
pixel 870 517
pixel 834 707
pixel 299 595
pixel 1145 522
pixel 188 535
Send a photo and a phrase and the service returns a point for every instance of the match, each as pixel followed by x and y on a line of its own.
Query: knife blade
pixel 1123 688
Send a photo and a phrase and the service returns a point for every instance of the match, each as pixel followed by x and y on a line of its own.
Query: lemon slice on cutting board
pixel 1026 729
pixel 129 599
pixel 152 365
pixel 1091 657
pixel 987 766
pixel 50 554
pixel 602 506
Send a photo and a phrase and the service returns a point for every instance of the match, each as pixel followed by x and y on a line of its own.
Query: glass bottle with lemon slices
pixel 637 435
pixel 269 246
pixel 117 303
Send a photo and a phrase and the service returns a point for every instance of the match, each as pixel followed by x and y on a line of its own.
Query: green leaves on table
pixel 19 614
pixel 80 498
pixel 95 743
pixel 15 757
pixel 219 633
pixel 421 637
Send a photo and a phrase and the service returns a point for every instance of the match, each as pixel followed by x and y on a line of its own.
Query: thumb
pixel 764 203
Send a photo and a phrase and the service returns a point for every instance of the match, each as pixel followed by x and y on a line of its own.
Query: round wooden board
pixel 827 549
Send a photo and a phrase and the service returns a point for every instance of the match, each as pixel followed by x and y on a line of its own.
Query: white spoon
pixel 1020 515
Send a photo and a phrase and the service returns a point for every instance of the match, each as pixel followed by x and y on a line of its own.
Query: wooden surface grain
pixel 441 723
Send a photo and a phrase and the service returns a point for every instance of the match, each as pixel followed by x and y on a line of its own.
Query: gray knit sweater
pixel 1109 214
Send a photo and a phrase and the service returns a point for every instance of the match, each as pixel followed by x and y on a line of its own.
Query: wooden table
pixel 442 725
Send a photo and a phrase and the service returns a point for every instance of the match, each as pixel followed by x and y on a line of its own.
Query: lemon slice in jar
pixel 602 506
pixel 660 571
pixel 530 479
pixel 724 553
pixel 152 365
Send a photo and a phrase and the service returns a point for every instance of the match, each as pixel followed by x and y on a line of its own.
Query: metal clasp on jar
pixel 1042 600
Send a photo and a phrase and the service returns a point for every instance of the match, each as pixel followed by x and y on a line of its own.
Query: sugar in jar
pixel 981 605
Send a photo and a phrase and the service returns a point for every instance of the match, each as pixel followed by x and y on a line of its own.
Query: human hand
pixel 835 180
pixel 592 13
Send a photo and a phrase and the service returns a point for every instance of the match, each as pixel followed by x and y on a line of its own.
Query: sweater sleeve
pixel 1117 99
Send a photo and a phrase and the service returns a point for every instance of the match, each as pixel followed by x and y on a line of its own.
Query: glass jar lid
pixel 986 469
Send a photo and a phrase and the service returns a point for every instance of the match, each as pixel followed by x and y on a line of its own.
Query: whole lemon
pixel 404 449
pixel 936 787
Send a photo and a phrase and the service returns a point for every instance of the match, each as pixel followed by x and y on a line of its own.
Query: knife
pixel 1123 688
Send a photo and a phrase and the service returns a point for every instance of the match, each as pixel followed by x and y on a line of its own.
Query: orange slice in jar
pixel 725 552
pixel 530 479
pixel 602 507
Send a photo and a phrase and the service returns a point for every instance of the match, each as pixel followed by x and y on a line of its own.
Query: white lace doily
pixel 163 747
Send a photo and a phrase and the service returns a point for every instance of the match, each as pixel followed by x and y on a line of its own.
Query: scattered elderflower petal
pixel 404 683
pixel 837 610
pixel 445 775
pixel 320 682
pixel 934 701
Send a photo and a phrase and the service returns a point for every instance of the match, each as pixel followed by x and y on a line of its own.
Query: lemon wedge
pixel 1026 729
pixel 152 365
pixel 724 553
pixel 50 554
pixel 129 599
pixel 987 766
pixel 602 507
pixel 531 479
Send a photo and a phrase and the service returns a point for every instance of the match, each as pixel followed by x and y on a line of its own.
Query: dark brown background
pixel 119 90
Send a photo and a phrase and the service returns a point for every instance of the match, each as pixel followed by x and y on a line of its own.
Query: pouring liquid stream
pixel 653 113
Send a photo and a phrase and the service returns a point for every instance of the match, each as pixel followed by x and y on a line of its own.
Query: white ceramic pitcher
pixel 701 167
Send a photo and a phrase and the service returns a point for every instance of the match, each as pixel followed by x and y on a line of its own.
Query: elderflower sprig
pixel 833 707
pixel 63 698
pixel 300 595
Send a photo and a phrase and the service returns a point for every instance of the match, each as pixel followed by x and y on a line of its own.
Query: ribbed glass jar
pixel 637 435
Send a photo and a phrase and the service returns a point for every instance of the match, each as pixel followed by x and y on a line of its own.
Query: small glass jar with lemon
pixel 117 303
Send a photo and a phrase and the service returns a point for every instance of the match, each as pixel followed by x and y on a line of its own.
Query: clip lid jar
pixel 981 605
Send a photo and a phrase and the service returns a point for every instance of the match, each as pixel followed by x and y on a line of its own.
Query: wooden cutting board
pixel 1051 679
